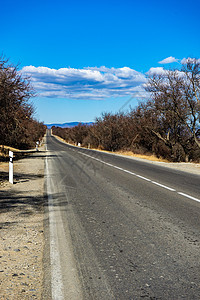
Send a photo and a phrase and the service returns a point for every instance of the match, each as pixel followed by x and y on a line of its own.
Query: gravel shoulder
pixel 22 229
pixel 189 167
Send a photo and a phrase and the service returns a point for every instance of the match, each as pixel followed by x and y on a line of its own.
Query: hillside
pixel 67 125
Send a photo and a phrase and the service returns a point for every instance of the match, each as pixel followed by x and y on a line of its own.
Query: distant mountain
pixel 68 125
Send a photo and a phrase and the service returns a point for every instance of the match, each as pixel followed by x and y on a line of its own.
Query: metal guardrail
pixel 4 150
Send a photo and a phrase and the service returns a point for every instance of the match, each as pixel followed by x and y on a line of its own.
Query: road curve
pixel 120 228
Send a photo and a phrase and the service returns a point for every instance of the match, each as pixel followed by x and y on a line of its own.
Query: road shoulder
pixel 189 167
pixel 22 229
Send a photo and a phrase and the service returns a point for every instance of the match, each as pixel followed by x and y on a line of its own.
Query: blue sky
pixel 73 40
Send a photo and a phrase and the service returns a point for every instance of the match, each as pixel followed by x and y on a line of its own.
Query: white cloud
pixel 87 83
pixel 168 60
pixel 160 71
pixel 156 71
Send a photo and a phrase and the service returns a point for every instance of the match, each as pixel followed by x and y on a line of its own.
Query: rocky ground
pixel 21 224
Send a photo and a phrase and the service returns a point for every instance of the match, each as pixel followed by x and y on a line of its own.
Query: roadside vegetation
pixel 18 127
pixel 166 125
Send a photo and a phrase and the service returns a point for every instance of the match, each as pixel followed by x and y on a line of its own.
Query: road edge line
pixel 55 267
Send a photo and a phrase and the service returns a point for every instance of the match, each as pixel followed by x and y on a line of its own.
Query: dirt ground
pixel 22 232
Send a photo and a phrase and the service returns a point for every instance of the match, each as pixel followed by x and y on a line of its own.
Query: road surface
pixel 120 228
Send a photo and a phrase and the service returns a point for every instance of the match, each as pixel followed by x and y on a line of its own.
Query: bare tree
pixel 191 96
pixel 167 124
pixel 175 94
pixel 16 112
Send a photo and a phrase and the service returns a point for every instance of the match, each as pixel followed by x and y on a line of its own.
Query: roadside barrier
pixel 10 152
pixel 11 167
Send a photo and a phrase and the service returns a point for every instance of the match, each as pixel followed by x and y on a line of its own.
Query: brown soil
pixel 21 223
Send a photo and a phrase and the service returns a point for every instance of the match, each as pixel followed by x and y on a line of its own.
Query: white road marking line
pixel 109 165
pixel 142 177
pixel 129 172
pixel 56 274
pixel 188 196
pixel 118 168
pixel 164 186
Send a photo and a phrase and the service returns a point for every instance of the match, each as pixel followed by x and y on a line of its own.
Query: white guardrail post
pixel 11 167
pixel 37 144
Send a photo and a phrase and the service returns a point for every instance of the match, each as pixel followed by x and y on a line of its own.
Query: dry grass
pixel 3 166
pixel 4 174
pixel 127 153
pixel 148 157
pixel 8 148
pixel 59 138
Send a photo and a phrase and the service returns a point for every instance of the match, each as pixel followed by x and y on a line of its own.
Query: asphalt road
pixel 120 228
